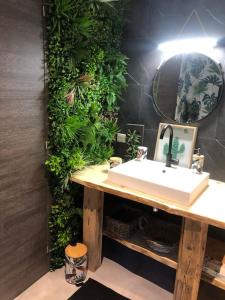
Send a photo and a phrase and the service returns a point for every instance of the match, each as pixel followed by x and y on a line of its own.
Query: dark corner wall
pixel 23 186
pixel 149 23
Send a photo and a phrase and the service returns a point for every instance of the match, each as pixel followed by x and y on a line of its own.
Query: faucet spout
pixel 169 159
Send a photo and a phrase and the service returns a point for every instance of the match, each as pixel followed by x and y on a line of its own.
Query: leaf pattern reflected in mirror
pixel 200 92
pixel 187 87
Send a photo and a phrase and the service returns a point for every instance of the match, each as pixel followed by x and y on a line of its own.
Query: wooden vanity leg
pixel 92 226
pixel 190 260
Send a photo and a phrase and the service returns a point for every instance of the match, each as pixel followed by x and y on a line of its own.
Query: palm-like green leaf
pixel 213 68
pixel 84 26
pixel 87 135
pixel 200 88
pixel 73 126
pixel 209 101
pixel 213 79
pixel 108 130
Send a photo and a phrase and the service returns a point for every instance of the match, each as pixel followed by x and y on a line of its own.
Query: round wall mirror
pixel 187 87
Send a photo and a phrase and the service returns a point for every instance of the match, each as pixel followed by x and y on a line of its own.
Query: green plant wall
pixel 85 78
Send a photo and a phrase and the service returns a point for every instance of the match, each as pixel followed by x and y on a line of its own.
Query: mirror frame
pixel 156 107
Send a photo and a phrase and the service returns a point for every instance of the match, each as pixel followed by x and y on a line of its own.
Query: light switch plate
pixel 121 138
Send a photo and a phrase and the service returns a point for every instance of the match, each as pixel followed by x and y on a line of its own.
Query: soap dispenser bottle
pixel 197 161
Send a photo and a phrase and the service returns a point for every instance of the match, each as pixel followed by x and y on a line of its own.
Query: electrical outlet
pixel 139 128
pixel 121 138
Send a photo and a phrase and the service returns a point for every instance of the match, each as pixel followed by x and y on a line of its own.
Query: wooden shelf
pixel 138 244
pixel 213 274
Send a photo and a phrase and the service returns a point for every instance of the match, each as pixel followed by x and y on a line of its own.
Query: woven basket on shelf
pixel 123 222
pixel 160 235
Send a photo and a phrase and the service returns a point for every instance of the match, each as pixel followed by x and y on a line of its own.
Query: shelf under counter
pixel 137 244
pixel 215 249
pixel 208 209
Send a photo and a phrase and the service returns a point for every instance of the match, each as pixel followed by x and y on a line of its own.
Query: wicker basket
pixel 160 236
pixel 123 222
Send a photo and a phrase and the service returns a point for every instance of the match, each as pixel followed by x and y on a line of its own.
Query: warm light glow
pixel 200 45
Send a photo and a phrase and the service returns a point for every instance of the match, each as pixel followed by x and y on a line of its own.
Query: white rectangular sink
pixel 176 184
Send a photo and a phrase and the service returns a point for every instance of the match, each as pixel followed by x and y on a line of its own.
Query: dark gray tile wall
pixel 148 23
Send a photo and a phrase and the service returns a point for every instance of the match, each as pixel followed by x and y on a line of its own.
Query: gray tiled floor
pixel 53 285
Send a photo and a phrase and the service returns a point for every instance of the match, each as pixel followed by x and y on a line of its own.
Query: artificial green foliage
pixel 133 141
pixel 65 222
pixel 86 75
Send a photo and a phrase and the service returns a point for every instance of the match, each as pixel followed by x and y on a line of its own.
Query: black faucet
pixel 169 159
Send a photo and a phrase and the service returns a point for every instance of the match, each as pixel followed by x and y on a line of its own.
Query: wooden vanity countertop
pixel 209 207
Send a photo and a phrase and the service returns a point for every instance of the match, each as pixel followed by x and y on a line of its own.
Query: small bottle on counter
pixel 142 153
pixel 115 161
pixel 198 161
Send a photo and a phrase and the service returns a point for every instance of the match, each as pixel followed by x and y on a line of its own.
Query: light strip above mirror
pixel 205 46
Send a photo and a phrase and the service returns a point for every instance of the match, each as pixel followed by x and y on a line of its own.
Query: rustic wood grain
pixel 203 209
pixel 193 239
pixel 23 183
pixel 92 226
pixel 190 260
pixel 215 249
pixel 137 244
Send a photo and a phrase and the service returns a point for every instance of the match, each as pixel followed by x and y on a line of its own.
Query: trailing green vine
pixel 86 75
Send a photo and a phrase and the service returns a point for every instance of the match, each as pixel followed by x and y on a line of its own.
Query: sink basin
pixel 176 184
